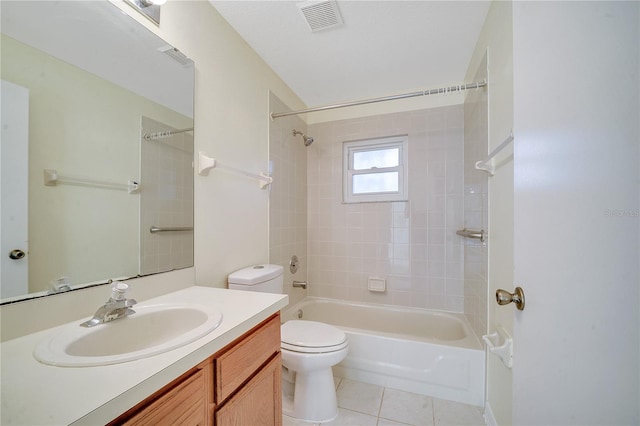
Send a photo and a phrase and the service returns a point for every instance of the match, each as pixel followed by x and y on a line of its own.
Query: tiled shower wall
pixel 166 199
pixel 288 197
pixel 412 245
pixel 476 205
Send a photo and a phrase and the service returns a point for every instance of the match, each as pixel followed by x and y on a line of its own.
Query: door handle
pixel 503 297
pixel 16 254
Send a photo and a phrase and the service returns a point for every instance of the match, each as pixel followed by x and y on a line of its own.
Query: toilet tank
pixel 263 278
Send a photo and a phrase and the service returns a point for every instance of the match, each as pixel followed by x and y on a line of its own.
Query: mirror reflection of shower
pixel 308 140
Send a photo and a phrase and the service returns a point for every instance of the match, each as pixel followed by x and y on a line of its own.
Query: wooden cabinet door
pixel 185 401
pixel 258 403
pixel 183 405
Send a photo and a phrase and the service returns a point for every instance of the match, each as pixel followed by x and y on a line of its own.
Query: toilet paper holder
pixel 500 343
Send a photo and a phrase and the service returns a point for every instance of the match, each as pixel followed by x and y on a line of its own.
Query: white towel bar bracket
pixel 500 343
pixel 206 163
pixel 487 164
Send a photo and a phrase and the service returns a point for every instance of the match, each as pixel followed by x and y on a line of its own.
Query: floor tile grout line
pixel 396 421
pixel 433 411
pixel 380 406
pixel 375 418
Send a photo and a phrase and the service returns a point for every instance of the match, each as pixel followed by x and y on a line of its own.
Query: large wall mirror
pixel 97 149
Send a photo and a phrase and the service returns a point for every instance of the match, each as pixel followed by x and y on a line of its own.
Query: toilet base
pixel 288 385
pixel 314 398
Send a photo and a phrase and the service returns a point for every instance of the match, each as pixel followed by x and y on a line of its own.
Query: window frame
pixel 377 144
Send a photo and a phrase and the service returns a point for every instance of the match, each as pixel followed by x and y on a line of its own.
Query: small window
pixel 375 170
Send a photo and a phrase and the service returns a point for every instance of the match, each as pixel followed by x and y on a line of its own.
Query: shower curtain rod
pixel 165 134
pixel 442 90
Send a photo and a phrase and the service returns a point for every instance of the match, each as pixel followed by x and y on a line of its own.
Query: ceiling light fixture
pixel 149 8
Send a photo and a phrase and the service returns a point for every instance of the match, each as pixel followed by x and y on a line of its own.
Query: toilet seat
pixel 311 337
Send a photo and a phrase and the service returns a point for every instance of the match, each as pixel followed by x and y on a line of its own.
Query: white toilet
pixel 309 349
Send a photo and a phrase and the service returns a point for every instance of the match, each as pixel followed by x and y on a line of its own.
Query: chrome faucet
pixel 118 306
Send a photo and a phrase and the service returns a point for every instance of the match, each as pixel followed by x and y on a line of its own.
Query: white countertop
pixel 39 394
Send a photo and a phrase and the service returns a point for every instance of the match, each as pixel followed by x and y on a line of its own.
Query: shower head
pixel 308 140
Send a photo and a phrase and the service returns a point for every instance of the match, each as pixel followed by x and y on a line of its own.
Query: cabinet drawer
pixel 235 366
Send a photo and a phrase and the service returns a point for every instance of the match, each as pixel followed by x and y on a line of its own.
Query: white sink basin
pixel 153 329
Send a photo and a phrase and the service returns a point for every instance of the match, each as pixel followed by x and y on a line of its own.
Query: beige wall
pixel 496 41
pixel 231 125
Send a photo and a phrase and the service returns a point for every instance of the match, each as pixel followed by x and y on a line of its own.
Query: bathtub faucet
pixel 118 306
pixel 301 284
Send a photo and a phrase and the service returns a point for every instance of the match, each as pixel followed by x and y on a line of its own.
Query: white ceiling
pixel 383 48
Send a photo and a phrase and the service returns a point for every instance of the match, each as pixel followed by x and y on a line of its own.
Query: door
pixel 258 402
pixel 14 169
pixel 576 212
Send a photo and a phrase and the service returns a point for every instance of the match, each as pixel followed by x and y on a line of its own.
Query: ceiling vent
pixel 321 15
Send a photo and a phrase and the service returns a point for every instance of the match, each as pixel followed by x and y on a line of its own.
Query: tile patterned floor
pixel 363 404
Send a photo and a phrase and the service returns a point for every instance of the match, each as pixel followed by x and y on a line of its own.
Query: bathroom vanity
pixel 229 376
pixel 238 385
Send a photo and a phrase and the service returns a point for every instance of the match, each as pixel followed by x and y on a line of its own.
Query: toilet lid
pixel 298 334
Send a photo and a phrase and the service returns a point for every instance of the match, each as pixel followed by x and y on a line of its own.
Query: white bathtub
pixel 426 352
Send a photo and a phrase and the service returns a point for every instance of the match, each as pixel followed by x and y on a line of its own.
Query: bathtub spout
pixel 301 284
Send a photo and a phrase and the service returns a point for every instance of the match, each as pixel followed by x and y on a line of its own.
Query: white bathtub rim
pixel 307 299
pixel 462 344
pixel 471 341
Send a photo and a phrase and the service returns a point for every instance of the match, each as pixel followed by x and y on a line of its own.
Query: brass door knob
pixel 503 297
